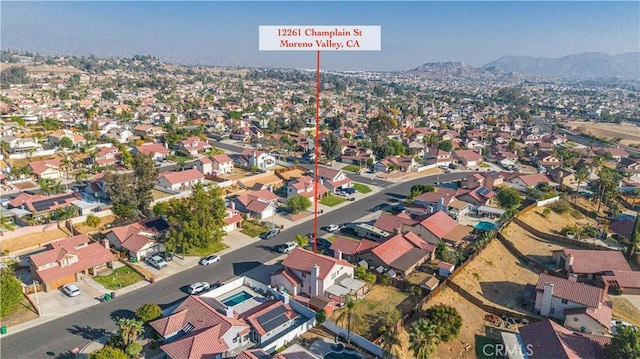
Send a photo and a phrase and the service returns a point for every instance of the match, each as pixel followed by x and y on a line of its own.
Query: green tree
pixel 361 273
pixel 445 146
pixel 447 320
pixel 109 95
pixel 109 352
pixel 581 175
pixel 297 203
pixel 66 142
pixel 129 329
pixel 321 316
pixel 634 240
pixel 379 128
pixel 349 315
pixel 92 221
pixel 296 124
pixel 11 290
pixel 424 338
pixel 444 254
pixel 419 189
pixel 625 344
pixel 332 147
pixel 390 337
pixel 149 312
pixel 121 190
pixel 145 175
pixel 508 197
pixel 397 148
pixel 133 349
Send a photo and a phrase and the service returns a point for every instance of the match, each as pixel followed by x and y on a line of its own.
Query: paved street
pixel 57 337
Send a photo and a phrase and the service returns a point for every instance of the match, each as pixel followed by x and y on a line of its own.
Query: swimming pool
pixel 485 226
pixel 236 299
pixel 338 351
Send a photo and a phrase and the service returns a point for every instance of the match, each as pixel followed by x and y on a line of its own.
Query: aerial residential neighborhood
pixel 153 208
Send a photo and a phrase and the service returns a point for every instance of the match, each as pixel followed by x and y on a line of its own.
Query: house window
pixel 553 310
pixel 564 301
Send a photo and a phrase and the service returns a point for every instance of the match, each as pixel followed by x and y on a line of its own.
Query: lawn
pixel 203 252
pixel 362 188
pixel 374 307
pixel 332 200
pixel 351 168
pixel 625 310
pixel 119 278
pixel 178 158
pixel 24 312
pixel 253 228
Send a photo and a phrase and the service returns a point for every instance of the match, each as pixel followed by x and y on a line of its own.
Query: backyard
pixel 497 277
pixel 159 194
pixel 119 278
pixel 374 307
pixel 332 200
pixel 253 228
pixel 30 240
pixel 625 310
pixel 554 222
pixel 84 228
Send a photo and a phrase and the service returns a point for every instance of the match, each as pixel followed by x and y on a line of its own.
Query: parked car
pixel 270 234
pixel 453 166
pixel 198 287
pixel 71 290
pixel 332 228
pixel 342 193
pixel 350 190
pixel 210 259
pixel 288 247
pixel 167 256
pixel 157 262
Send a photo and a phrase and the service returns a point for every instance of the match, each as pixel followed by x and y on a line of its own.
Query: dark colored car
pixel 167 256
pixel 268 235
pixel 349 190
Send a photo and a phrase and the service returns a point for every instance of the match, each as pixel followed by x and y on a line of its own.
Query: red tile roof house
pixel 390 223
pixel 627 281
pixel 66 260
pixel 546 339
pixel 250 157
pixel 402 252
pixel 334 180
pixel 156 150
pixel 440 157
pixel 260 204
pixel 546 159
pixel 193 145
pixel 305 186
pixel 215 165
pixel 586 264
pixel 439 227
pixel 350 249
pixel 310 274
pixel 439 200
pixel 142 239
pixel 40 205
pixel 46 169
pixel 232 220
pixel 261 319
pixel 581 306
pixel 403 164
pixel 469 158
pixel 622 228
pixel 180 181
pixel 196 330
pixel 522 182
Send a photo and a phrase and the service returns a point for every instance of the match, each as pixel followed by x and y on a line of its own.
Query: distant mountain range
pixel 584 65
pixel 588 65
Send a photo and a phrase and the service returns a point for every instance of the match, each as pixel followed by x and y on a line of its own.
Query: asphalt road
pixel 56 338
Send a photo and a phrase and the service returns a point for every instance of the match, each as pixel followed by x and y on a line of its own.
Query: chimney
pixel 570 259
pixel 315 273
pixel 338 254
pixel 440 204
pixel 232 205
pixel 547 295
pixel 285 298
pixel 229 312
pixel 106 243
pixel 573 277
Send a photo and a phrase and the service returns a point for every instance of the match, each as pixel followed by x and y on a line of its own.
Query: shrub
pixel 11 290
pixel 92 221
pixel 149 312
pixel 560 207
pixel 133 349
pixel 571 228
pixel 321 316
pixel 108 352
pixel 546 212
pixel 576 214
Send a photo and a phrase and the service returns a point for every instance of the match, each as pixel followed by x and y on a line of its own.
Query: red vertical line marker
pixel 317 179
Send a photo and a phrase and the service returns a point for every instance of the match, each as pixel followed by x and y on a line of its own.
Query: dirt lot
pixel 497 277
pixel 83 228
pixel 159 194
pixel 530 245
pixel 473 324
pixel 56 69
pixel 628 132
pixel 238 173
pixel 625 310
pixel 554 222
pixel 28 240
pixel 23 313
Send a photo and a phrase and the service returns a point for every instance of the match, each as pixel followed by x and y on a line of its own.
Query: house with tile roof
pixel 193 145
pixel 438 227
pixel 40 205
pixel 547 159
pixel 627 281
pixel 232 219
pixel 434 155
pixel 586 264
pixel 546 339
pixel 260 204
pixel 269 320
pixel 389 223
pixel 66 260
pixel 157 151
pixel 523 181
pixel 402 252
pixel 305 186
pixel 215 165
pixel 582 307
pixel 468 158
pixel 57 136
pixel 400 163
pixel 142 239
pixel 196 330
pixel 251 157
pixel 180 181
pixel 313 274
pixel 46 169
pixel 350 249
pixel 333 180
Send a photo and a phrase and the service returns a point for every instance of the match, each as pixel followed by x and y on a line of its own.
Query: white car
pixel 157 262
pixel 210 259
pixel 287 247
pixel 71 290
pixel 332 228
pixel 198 287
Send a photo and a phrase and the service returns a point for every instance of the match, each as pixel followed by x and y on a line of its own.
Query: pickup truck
pixel 157 262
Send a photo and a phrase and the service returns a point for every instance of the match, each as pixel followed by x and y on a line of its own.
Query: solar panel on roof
pixel 159 224
pixel 273 319
pixel 483 191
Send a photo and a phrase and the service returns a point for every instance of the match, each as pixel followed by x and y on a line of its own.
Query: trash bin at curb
pixel 3 329
pixel 107 297
pixel 113 295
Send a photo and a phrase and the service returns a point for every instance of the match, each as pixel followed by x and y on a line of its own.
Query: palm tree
pixel 45 185
pixel 581 176
pixel 389 339
pixel 424 338
pixel 82 176
pixel 66 165
pixel 349 315
pixel 129 329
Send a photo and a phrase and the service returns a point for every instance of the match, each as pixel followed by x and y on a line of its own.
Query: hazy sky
pixel 226 33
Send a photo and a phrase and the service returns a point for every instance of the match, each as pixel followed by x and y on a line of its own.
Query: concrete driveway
pixel 57 304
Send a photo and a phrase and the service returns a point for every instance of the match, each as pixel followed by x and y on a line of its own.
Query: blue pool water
pixel 485 226
pixel 237 299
